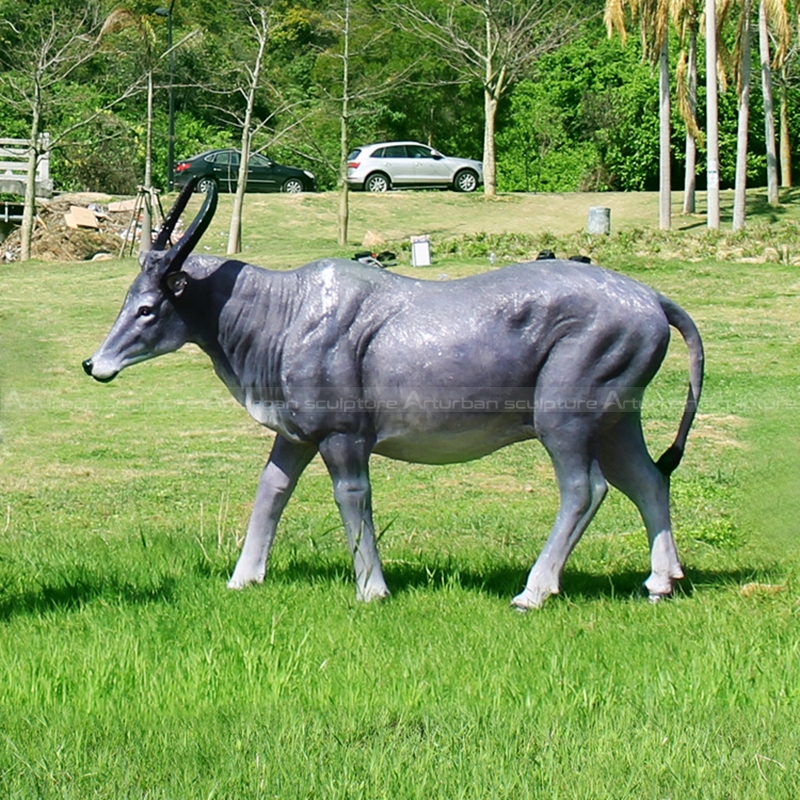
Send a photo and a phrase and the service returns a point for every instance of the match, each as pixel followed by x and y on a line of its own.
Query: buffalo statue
pixel 346 360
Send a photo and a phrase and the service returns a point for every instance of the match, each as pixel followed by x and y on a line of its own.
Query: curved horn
pixel 177 254
pixel 171 220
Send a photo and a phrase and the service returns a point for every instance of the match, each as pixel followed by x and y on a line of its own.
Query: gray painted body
pixel 347 360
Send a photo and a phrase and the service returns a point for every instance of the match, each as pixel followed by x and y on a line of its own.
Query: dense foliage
pixel 586 117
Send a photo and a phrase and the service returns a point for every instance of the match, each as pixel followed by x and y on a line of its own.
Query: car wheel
pixel 205 184
pixel 293 186
pixel 465 181
pixel 378 182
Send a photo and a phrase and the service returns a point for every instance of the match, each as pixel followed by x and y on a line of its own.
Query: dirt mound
pixel 57 236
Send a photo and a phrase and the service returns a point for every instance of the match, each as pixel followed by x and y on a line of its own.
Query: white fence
pixel 14 166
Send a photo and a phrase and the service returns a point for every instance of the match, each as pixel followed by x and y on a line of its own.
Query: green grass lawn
pixel 128 670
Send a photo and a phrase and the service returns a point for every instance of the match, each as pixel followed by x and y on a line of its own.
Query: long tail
pixel 680 320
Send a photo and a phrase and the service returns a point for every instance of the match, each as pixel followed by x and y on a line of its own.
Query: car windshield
pixel 354 155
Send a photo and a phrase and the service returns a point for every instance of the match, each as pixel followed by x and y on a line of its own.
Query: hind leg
pixel 582 489
pixel 627 465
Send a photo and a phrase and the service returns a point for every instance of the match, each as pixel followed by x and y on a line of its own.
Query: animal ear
pixel 176 283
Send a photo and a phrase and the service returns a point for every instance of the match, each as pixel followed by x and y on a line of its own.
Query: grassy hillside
pixel 288 230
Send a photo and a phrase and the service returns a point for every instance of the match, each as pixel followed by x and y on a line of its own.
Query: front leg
pixel 278 479
pixel 347 459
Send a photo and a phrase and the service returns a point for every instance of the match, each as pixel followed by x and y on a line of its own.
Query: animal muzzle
pixel 88 368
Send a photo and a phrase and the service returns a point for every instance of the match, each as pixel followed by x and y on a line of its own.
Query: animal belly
pixel 434 444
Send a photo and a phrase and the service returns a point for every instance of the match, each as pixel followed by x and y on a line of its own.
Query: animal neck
pixel 241 320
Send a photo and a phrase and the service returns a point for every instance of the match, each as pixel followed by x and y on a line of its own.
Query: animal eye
pixel 144 311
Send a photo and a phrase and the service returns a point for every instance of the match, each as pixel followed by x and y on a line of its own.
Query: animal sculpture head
pixel 150 322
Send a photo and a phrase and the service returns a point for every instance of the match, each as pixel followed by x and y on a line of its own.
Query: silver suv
pixel 379 167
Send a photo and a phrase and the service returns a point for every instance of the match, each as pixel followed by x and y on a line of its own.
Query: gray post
pixel 599 220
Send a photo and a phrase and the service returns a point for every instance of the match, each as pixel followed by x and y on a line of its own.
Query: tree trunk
pixel 690 179
pixel 712 117
pixel 489 157
pixel 786 144
pixel 664 159
pixel 490 95
pixel 343 213
pixel 146 240
pixel 235 230
pixel 769 113
pixel 740 188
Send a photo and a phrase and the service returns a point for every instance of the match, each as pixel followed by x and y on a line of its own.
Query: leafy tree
pixel 258 21
pixel 492 43
pixel 46 49
pixel 593 105
pixel 583 115
pixel 357 78
pixel 124 19
pixel 538 131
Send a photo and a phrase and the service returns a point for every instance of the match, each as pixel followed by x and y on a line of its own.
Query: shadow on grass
pixel 757 209
pixel 68 593
pixel 757 205
pixel 506 580
pixel 628 583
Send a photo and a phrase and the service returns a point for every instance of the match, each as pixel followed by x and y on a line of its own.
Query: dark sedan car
pixel 263 174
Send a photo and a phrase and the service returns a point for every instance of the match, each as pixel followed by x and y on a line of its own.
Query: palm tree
pixel 742 66
pixel 712 116
pixel 653 16
pixel 686 17
pixel 785 141
pixel 772 14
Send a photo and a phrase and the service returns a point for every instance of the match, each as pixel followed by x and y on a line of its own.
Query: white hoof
pixel 527 599
pixel 657 587
pixel 239 583
pixel 372 593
